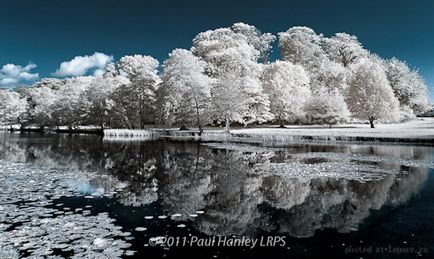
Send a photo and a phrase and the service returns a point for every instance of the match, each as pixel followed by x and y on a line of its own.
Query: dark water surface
pixel 385 208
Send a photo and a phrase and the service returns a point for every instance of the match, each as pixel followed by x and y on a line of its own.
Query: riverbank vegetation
pixel 225 78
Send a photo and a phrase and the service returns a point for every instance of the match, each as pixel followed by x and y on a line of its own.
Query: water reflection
pixel 237 198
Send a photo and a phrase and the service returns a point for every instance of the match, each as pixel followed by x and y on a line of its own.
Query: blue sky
pixel 48 32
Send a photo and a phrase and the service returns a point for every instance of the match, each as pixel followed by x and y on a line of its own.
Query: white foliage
pixel 260 41
pixel 135 103
pixel 43 99
pixel 220 79
pixel 408 86
pixel 97 99
pixel 228 101
pixel 187 90
pixel 232 61
pixel 67 107
pixel 11 106
pixel 327 107
pixel 330 75
pixel 370 96
pixel 344 49
pixel 287 86
pixel 301 45
pixel 140 68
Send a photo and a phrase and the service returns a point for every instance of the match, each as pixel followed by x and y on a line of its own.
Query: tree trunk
pixel 141 115
pixel 199 124
pixel 330 126
pixel 200 130
pixel 281 123
pixel 227 126
pixel 371 121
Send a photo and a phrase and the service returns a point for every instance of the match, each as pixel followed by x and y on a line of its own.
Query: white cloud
pixel 12 74
pixel 8 81
pixel 80 65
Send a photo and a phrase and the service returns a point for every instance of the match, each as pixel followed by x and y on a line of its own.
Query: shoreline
pixel 143 135
pixel 416 132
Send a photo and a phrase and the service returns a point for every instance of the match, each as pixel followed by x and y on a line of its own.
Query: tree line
pixel 226 78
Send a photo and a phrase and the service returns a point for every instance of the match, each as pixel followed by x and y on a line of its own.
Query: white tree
pixel 135 102
pixel 68 108
pixel 97 98
pixel 287 86
pixel 41 98
pixel 229 56
pixel 344 49
pixel 223 49
pixel 326 106
pixel 11 107
pixel 330 75
pixel 370 96
pixel 301 46
pixel 325 59
pixel 187 89
pixel 228 100
pixel 260 41
pixel 258 110
pixel 408 86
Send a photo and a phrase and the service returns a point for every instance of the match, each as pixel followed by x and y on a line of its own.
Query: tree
pixel 40 98
pixel 229 56
pixel 223 49
pixel 370 96
pixel 258 103
pixel 260 41
pixel 67 108
pixel 11 107
pixel 326 107
pixel 287 86
pixel 408 86
pixel 329 75
pixel 344 49
pixel 228 100
pixel 187 89
pixel 135 102
pixel 301 46
pixel 97 99
pixel 325 59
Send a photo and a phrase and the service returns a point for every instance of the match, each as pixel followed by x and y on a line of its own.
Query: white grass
pixel 418 130
pixel 421 128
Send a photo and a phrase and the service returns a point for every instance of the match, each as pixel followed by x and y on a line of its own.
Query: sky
pixel 36 36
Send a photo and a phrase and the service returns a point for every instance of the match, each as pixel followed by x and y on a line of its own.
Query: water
pixel 309 200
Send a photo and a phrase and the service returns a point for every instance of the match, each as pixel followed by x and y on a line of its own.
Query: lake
pixel 82 196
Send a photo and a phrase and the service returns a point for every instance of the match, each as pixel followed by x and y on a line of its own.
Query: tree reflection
pixel 184 177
